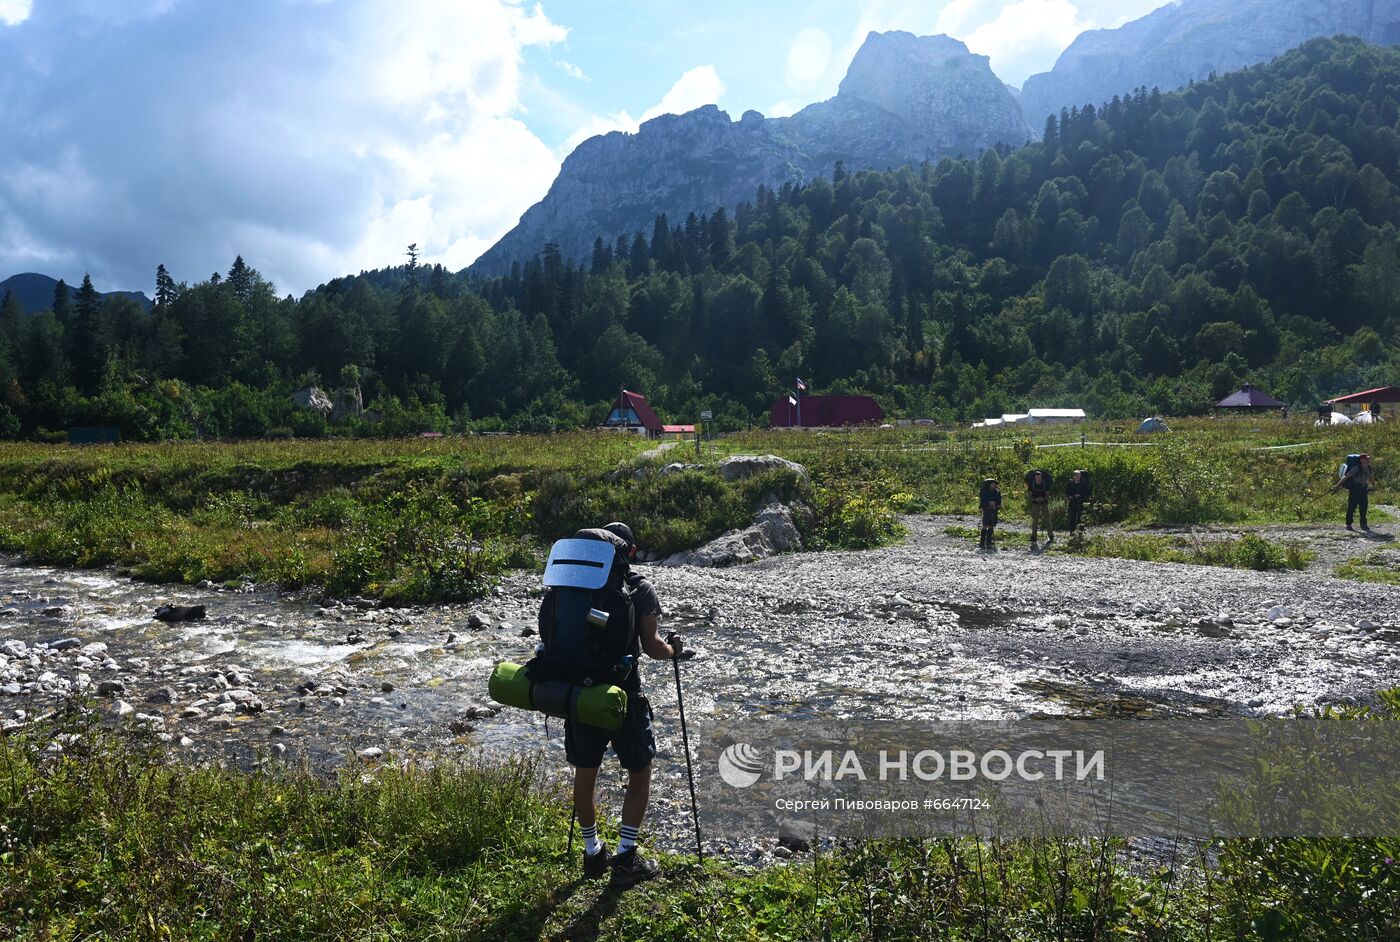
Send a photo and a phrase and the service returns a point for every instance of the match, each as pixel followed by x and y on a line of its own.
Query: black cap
pixel 622 530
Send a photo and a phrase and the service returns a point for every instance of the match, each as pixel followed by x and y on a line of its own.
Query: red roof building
pixel 1382 394
pixel 825 412
pixel 632 411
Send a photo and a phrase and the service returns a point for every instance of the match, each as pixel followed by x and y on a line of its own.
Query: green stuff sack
pixel 604 706
pixel 510 686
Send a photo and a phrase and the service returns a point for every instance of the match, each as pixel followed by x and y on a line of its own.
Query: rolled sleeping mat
pixel 601 705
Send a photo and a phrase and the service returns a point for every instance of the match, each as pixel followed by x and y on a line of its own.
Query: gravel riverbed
pixel 928 629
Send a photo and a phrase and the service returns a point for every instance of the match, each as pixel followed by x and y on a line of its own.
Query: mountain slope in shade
pixel 35 292
pixel 905 99
pixel 1188 40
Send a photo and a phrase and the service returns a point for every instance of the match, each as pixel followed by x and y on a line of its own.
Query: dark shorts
pixel 632 742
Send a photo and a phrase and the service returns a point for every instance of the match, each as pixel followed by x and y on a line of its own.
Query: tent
pixel 1056 416
pixel 1152 426
pixel 1011 418
pixel 1249 399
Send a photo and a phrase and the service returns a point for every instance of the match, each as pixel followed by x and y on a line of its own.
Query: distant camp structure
pixel 1035 417
pixel 825 412
pixel 1368 402
pixel 1249 399
pixel 632 413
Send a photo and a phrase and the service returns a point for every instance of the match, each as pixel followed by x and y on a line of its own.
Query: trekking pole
pixel 689 772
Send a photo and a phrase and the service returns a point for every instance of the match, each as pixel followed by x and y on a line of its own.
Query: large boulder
pixel 314 399
pixel 739 467
pixel 773 532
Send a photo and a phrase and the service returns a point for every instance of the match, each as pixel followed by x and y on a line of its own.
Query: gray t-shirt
pixel 1360 478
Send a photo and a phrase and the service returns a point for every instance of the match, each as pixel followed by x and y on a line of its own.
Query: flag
pixel 792 401
pixel 801 386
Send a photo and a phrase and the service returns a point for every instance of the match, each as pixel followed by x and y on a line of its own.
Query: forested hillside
pixel 1146 256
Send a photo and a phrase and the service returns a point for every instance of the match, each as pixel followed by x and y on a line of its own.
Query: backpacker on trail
pixel 1038 483
pixel 989 501
pixel 1078 491
pixel 585 664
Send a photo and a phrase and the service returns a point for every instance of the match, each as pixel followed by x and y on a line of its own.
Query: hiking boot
pixel 595 865
pixel 630 868
pixel 1366 528
pixel 1351 528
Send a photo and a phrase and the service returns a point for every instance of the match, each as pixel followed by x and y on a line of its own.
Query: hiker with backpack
pixel 990 502
pixel 596 618
pixel 633 743
pixel 1077 492
pixel 1038 489
pixel 1359 480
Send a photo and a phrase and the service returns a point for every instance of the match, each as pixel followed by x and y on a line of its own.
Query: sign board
pixel 707 415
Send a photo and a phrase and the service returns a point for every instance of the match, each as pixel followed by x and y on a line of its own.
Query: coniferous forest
pixel 1147 256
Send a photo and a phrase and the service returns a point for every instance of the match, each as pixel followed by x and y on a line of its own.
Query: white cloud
pixel 15 12
pixel 808 58
pixel 571 70
pixel 1027 36
pixel 314 138
pixel 699 86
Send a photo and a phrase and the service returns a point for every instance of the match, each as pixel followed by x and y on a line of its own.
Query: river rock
pixel 773 532
pixel 192 713
pixel 797 835
pixel 123 708
pixel 15 648
pixel 1279 611
pixel 741 467
pixel 475 622
pixel 110 688
pixel 161 695
pixel 63 644
pixel 174 613
pixel 372 753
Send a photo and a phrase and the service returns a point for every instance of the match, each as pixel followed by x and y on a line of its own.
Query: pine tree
pixel 165 287
pixel 62 307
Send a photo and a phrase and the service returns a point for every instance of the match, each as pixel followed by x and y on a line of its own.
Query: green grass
pixel 112 839
pixel 408 521
pixel 1373 567
pixel 1244 552
pixel 1205 471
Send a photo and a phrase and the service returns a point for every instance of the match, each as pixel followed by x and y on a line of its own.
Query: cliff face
pixel 1187 41
pixel 905 99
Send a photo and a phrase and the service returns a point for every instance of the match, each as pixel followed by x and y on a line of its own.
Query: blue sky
pixel 319 137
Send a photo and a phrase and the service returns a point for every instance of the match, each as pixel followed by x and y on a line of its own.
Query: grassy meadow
pixel 437 519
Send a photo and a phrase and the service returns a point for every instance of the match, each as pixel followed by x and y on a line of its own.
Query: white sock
pixel 627 837
pixel 591 844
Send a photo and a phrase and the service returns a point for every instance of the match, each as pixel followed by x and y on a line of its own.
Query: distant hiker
pixel 990 502
pixel 1359 480
pixel 1078 491
pixel 1038 489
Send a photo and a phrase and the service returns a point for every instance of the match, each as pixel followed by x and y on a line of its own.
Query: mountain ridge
pixel 905 99
pixel 34 290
